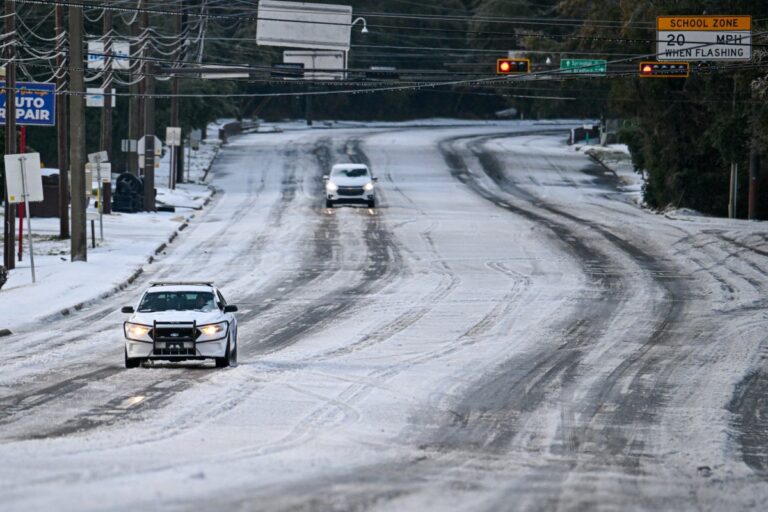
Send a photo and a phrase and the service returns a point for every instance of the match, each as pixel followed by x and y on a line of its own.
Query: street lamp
pixel 365 25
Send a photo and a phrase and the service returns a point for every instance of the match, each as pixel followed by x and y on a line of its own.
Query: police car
pixel 178 321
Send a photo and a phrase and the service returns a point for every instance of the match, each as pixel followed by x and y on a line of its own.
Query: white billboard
pixel 326 60
pixel 304 25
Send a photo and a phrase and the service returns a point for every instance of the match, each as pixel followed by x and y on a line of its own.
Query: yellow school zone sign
pixel 725 23
pixel 704 38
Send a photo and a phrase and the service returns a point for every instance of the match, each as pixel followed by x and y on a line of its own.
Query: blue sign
pixel 35 104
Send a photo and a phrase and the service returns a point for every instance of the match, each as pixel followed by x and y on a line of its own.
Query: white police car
pixel 176 321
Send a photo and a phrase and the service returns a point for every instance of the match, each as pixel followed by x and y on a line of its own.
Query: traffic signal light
pixel 654 69
pixel 511 66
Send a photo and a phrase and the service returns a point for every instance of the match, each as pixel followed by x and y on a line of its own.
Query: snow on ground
pixel 129 241
pixel 469 345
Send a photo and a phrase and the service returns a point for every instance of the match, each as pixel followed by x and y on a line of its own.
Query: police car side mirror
pixel 230 308
pixel 375 179
pixel 127 309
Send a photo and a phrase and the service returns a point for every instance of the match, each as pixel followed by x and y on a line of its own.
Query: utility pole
pixel 79 242
pixel 733 190
pixel 754 183
pixel 179 150
pixel 61 126
pixel 10 129
pixel 106 112
pixel 134 103
pixel 149 127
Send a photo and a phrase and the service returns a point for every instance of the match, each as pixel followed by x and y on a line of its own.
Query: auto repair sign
pixel 35 104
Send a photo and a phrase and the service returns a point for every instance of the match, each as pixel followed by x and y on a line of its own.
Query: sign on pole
pixel 694 38
pixel 172 136
pixel 588 66
pixel 95 97
pixel 194 139
pixel 98 162
pixel 141 148
pixel 172 140
pixel 104 167
pixel 98 158
pixel 128 145
pixel 35 104
pixel 304 25
pixel 27 186
pixel 121 52
pixel 24 184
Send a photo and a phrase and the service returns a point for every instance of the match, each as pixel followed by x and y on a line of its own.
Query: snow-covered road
pixel 507 331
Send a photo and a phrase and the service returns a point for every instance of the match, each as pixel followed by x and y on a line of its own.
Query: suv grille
pixel 350 191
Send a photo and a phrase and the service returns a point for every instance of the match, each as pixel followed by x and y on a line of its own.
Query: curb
pixel 140 270
pixel 130 280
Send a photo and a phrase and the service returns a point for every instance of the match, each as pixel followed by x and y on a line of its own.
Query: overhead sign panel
pixel 589 66
pixel 35 104
pixel 325 60
pixel 223 72
pixel 304 25
pixel 701 38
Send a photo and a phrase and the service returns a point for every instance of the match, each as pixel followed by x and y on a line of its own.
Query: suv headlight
pixel 210 332
pixel 137 332
pixel 368 186
pixel 331 187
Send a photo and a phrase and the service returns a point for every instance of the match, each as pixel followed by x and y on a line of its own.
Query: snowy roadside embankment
pixel 130 241
pixel 617 160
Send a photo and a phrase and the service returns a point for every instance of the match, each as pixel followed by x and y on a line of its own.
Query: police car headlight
pixel 212 332
pixel 368 186
pixel 137 332
pixel 331 187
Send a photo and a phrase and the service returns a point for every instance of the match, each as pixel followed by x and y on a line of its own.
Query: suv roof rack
pixel 180 283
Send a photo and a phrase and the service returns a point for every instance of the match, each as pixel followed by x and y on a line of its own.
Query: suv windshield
pixel 351 173
pixel 177 301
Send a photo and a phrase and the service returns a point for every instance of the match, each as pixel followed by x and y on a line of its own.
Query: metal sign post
pixel 172 140
pixel 29 219
pixel 97 159
pixel 24 185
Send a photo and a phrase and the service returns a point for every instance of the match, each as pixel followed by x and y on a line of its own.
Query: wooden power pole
pixel 61 126
pixel 134 102
pixel 79 242
pixel 179 150
pixel 106 112
pixel 149 127
pixel 9 239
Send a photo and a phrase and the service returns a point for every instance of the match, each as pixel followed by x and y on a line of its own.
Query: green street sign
pixel 588 66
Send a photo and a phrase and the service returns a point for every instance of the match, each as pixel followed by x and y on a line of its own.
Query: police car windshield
pixel 177 301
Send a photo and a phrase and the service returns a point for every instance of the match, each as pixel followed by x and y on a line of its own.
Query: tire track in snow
pixel 517 391
pixel 89 419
